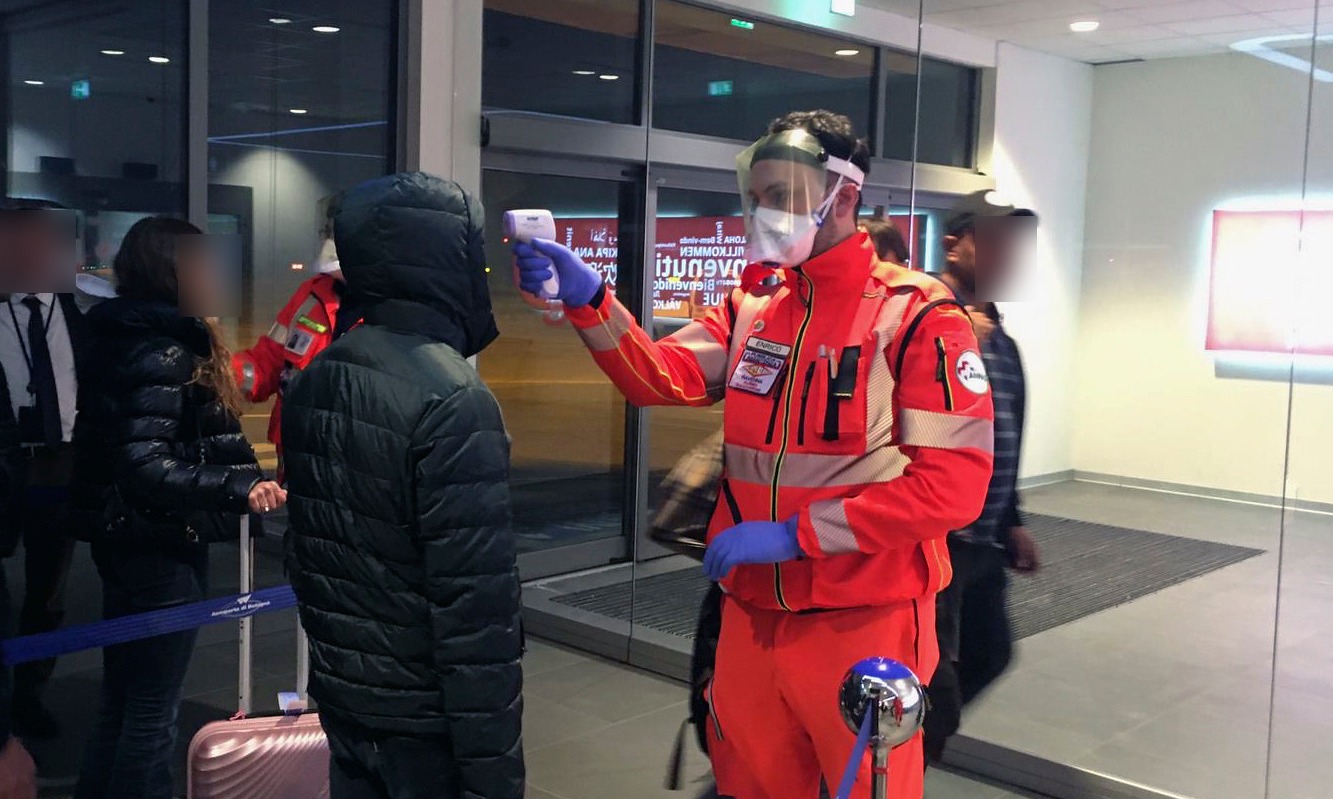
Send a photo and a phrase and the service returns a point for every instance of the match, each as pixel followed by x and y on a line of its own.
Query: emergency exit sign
pixel 80 90
pixel 845 7
pixel 720 88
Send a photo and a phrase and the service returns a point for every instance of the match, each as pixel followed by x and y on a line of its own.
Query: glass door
pixel 567 421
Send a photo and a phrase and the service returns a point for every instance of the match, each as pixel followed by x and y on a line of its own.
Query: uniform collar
pixel 849 262
pixel 18 297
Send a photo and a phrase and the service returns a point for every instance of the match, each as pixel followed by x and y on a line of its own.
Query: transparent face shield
pixel 786 195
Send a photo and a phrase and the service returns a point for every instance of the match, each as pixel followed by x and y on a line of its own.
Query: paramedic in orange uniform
pixel 304 327
pixel 858 434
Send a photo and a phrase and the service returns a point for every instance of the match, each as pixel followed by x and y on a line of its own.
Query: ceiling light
pixel 847 52
pixel 584 72
pixel 159 59
pixel 298 111
pixel 1085 26
pixel 280 20
pixel 325 29
pixel 609 77
pixel 35 82
pixel 113 52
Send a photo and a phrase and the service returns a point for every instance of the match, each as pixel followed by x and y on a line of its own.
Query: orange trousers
pixel 775 726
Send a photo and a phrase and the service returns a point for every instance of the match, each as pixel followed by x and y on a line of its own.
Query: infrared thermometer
pixel 530 224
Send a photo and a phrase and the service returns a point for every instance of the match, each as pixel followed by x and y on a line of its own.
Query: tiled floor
pixel 1170 691
pixel 1173 690
pixel 599 730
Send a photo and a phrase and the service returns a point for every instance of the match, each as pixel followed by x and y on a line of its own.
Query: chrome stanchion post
pixel 892 696
pixel 247 586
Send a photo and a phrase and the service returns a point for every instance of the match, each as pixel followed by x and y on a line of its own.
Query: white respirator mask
pixel 784 199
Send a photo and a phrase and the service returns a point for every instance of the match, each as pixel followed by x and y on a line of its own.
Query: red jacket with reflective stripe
pixel 881 444
pixel 303 329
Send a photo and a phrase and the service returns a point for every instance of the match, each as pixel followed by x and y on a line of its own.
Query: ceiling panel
pixel 1129 28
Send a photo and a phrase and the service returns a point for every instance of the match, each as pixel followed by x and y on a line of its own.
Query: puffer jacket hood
pixel 412 253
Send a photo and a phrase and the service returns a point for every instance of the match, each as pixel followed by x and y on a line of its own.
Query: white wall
pixel 1172 140
pixel 1042 129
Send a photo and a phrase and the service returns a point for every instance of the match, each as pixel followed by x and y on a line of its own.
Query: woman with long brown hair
pixel 163 470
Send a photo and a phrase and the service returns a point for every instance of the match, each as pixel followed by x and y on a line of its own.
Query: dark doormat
pixel 1087 568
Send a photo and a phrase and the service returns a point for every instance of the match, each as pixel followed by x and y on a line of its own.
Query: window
pixel 948 113
pixel 95 113
pixel 573 58
pixel 294 116
pixel 727 76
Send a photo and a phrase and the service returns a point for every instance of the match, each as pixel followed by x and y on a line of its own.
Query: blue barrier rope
pixel 145 625
pixel 858 754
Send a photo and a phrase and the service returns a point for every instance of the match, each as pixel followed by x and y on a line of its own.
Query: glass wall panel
pixel 1303 698
pixel 300 107
pixel 94 101
pixel 722 75
pixel 1153 451
pixel 575 58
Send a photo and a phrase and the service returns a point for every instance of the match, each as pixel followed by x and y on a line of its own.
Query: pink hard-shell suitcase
pixel 265 757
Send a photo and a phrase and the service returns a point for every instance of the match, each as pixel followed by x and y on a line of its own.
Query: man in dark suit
pixel 41 333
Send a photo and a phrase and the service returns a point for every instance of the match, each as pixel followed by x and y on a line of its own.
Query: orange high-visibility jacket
pixel 875 428
pixel 303 329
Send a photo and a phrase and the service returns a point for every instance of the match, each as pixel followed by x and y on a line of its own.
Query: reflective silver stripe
pixel 946 431
pixel 810 470
pixel 880 383
pixel 708 351
pixel 278 333
pixel 606 336
pixel 832 530
pixel 248 377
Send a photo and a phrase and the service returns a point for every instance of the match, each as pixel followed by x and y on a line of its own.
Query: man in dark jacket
pixel 401 551
pixel 17 773
pixel 42 347
pixel 982 234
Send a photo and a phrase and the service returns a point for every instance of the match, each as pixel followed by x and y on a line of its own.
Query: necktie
pixel 43 374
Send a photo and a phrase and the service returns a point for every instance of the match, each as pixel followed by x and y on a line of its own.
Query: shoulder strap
pixel 911 330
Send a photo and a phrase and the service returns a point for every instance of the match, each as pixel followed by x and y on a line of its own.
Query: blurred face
pixel 202 277
pixel 986 258
pixel 37 252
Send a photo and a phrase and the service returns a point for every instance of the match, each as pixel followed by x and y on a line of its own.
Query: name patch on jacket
pixel 759 366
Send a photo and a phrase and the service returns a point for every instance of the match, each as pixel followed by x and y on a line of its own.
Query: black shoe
pixel 33 720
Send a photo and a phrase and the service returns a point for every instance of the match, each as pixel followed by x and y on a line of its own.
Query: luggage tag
pixel 760 365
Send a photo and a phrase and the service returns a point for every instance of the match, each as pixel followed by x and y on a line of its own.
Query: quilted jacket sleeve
pixel 151 397
pixel 461 489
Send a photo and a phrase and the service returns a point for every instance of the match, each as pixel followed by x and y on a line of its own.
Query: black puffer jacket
pixel 169 447
pixel 402 554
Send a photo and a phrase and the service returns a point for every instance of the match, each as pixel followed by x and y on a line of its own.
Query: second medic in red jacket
pixel 858 432
pixel 303 329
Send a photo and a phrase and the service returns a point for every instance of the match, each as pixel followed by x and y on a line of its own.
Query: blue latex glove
pixel 751 542
pixel 578 281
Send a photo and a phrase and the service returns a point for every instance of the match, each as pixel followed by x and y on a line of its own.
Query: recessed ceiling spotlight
pixel 113 52
pixel 299 111
pixel 325 29
pixel 35 82
pixel 584 72
pixel 159 59
pixel 280 20
pixel 847 52
pixel 1085 26
pixel 609 77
